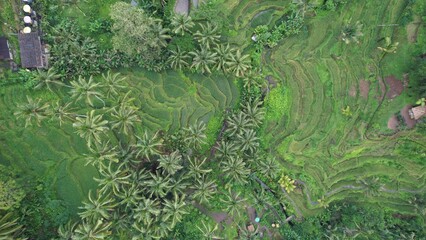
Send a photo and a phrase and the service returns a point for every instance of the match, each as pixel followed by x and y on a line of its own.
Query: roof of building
pixel 31 50
pixel 4 49
pixel 417 112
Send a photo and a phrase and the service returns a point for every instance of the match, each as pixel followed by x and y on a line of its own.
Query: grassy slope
pixel 315 142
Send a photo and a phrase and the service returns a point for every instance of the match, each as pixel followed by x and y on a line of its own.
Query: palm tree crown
pixel 203 59
pixel 208 36
pixel 32 110
pixel 86 89
pixel 90 127
pixel 181 23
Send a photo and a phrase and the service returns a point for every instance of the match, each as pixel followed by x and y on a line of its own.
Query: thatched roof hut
pixel 31 50
pixel 417 112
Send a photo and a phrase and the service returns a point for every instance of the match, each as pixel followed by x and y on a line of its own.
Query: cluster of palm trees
pixel 210 54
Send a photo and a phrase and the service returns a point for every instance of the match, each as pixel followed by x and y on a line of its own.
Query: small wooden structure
pixel 32 54
pixel 417 112
pixel 5 53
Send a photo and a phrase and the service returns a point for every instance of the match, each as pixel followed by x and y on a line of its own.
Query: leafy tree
pixel 196 169
pixel 47 78
pixel 204 189
pixel 177 59
pixel 238 63
pixel 195 135
pixel 235 169
pixel 233 203
pixel 203 59
pixel 174 209
pixel 247 141
pixel 92 231
pixel 125 119
pixel 32 110
pixel 181 23
pixel 90 127
pixel 87 90
pixel 98 208
pixel 287 183
pixel 11 191
pixel 113 83
pixel 170 163
pixel 208 36
pixel 147 146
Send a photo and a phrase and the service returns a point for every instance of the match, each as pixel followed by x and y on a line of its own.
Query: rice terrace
pixel 212 119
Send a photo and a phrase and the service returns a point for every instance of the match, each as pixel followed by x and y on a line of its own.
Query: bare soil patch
pixel 364 88
pixel 413 29
pixel 408 121
pixel 393 123
pixel 395 87
pixel 352 91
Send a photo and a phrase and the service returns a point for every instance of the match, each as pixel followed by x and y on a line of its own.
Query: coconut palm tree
pixel 158 185
pixel 194 135
pixel 247 141
pixel 208 36
pixel 268 167
pixel 32 110
pixel 226 149
pixel 113 84
pixel 160 230
pixel 47 78
pixel 208 231
pixel 170 163
pixel 178 59
pixel 179 185
pixel 125 119
pixel 9 226
pixel 351 33
pixel 203 59
pixel 90 127
pixel 287 183
pixel 245 234
pixel 254 112
pixel 66 231
pixel 87 90
pixel 147 146
pixel 235 169
pixel 61 112
pixel 252 79
pixel 181 23
pixel 113 180
pixel 129 197
pixel 98 230
pixel 237 122
pixel 97 208
pixel 162 34
pixel 174 209
pixel 238 63
pixel 204 189
pixel 233 203
pixel 196 169
pixel 372 185
pixel 224 53
pixel 147 211
pixel 102 153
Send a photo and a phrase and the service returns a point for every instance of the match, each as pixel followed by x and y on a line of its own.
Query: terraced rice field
pixel 316 144
pixel 168 101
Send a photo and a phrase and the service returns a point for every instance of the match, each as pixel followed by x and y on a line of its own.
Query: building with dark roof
pixel 5 53
pixel 31 50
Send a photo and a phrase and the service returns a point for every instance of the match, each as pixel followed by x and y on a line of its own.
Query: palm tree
pixel 287 183
pixel 247 141
pixel 179 185
pixel 177 59
pixel 32 110
pixel 204 189
pixel 238 63
pixel 147 211
pixel 233 203
pixel 226 149
pixel 224 53
pixel 86 89
pixel 196 169
pixel 351 33
pixel 254 112
pixel 61 112
pixel 235 169
pixel 102 153
pixel 253 78
pixel 90 127
pixel 174 209
pixel 245 234
pixel 237 122
pixel 124 119
pixel 208 36
pixel 113 180
pixel 113 84
pixel 147 146
pixel 66 231
pixel 97 208
pixel 129 196
pixel 170 163
pixel 208 231
pixel 158 185
pixel 162 34
pixel 268 167
pixel 46 78
pixel 181 23
pixel 87 230
pixel 203 59
pixel 372 185
pixel 194 135
pixel 9 226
